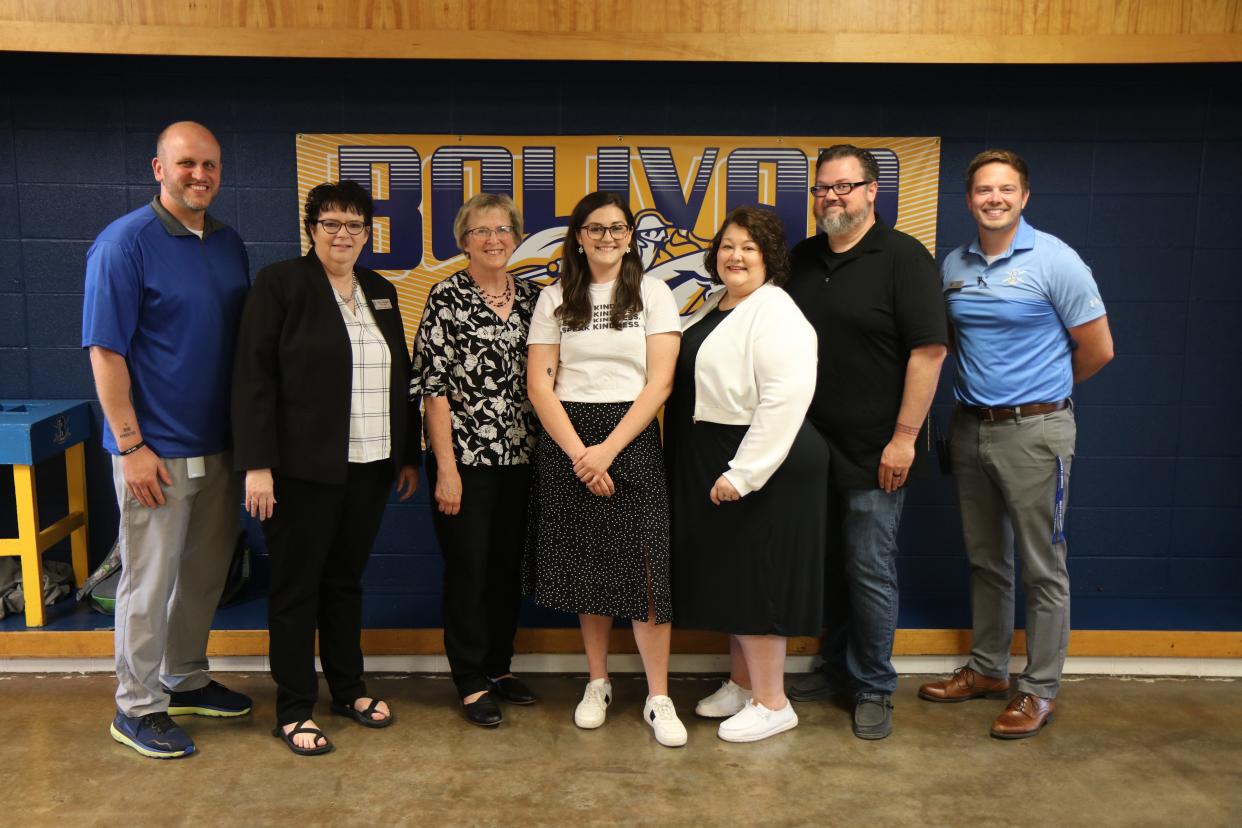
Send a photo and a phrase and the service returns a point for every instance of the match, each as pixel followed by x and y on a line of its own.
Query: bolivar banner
pixel 679 188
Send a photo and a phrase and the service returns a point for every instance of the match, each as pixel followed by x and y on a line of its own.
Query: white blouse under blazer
pixel 757 368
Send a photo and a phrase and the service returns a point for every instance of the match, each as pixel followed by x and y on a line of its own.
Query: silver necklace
pixel 353 292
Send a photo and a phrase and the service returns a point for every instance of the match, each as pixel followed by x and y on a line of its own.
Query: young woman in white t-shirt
pixel 602 349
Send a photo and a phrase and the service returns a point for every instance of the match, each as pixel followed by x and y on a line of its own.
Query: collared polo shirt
pixel 870 306
pixel 170 303
pixel 1010 318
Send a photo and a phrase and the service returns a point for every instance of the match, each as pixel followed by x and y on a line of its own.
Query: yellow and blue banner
pixel 679 187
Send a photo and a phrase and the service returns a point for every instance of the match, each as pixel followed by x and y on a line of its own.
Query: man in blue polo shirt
pixel 164 291
pixel 1028 323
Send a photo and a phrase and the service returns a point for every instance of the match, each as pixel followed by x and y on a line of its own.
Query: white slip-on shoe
pixel 756 722
pixel 727 701
pixel 662 716
pixel 593 708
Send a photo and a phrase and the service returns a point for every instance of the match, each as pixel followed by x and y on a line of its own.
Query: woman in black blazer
pixel 322 425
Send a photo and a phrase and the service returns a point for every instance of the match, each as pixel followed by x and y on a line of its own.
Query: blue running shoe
pixel 212 700
pixel 154 735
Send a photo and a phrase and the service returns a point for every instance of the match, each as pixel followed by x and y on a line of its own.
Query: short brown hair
pixel 871 169
pixel 486 201
pixel 765 228
pixel 998 156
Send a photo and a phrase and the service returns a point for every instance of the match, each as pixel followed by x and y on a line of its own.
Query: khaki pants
pixel 1013 485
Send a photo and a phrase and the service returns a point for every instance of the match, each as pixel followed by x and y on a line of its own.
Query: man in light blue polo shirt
pixel 164 291
pixel 1028 323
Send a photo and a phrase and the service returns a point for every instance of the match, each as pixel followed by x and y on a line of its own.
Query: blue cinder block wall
pixel 1139 168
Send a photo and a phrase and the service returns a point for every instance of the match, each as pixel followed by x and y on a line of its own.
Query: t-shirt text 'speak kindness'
pixel 601 320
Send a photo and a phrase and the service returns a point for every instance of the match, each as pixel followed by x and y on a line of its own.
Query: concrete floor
pixel 1121 752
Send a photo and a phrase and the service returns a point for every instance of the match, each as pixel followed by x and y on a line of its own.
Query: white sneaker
pixel 756 722
pixel 725 702
pixel 593 708
pixel 662 716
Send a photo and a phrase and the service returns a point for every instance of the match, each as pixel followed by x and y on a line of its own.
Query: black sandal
pixel 363 717
pixel 318 750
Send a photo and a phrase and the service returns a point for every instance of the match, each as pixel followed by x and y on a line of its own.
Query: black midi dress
pixel 752 566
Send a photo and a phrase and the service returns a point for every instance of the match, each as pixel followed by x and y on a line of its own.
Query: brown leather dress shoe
pixel 965 684
pixel 1024 717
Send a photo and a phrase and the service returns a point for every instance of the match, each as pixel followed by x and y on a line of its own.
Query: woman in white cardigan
pixel 748 475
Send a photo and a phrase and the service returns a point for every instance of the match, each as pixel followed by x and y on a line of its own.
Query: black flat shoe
pixel 512 690
pixel 482 712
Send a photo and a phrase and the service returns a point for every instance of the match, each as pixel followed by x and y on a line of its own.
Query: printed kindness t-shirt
pixel 599 363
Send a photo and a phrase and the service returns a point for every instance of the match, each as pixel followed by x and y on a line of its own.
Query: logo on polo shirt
pixel 1014 277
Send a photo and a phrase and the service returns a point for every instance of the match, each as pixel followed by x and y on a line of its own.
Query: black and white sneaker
pixel 660 714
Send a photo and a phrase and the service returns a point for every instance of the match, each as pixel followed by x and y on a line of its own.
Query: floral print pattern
pixel 464 351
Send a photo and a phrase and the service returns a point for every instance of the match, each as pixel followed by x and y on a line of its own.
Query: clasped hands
pixel 591 467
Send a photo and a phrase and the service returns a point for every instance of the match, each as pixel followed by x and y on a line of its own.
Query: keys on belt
pixel 1014 412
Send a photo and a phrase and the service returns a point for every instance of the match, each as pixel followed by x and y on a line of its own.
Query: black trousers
pixel 319 538
pixel 482 547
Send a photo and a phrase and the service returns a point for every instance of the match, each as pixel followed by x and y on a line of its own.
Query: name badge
pixel 956 285
pixel 195 467
pixel 382 304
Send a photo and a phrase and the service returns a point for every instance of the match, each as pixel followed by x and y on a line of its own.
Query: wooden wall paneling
pixel 868 31
pixel 475 45
pixel 1083 643
pixel 999 17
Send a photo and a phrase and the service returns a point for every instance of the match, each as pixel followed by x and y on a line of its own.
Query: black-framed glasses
pixel 840 188
pixel 617 231
pixel 504 231
pixel 332 226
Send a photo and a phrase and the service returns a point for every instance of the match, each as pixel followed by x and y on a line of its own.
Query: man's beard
pixel 840 222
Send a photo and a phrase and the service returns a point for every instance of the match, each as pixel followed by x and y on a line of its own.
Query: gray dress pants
pixel 1013 486
pixel 174 561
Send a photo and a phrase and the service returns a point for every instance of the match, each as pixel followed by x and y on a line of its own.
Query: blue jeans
pixel 860 588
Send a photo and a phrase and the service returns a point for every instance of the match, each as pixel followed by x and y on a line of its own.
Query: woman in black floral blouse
pixel 470 368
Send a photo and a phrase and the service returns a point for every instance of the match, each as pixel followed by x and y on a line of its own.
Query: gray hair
pixel 485 201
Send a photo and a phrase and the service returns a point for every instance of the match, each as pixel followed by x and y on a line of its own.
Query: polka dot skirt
pixel 591 554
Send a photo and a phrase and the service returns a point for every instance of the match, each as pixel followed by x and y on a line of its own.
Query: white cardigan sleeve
pixel 784 348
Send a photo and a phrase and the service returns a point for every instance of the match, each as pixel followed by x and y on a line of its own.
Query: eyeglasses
pixel 332 226
pixel 617 231
pixel 840 188
pixel 504 231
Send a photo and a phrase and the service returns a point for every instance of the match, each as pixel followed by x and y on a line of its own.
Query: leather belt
pixel 1014 412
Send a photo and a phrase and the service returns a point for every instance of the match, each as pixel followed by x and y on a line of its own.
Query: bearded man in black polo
pixel 873 295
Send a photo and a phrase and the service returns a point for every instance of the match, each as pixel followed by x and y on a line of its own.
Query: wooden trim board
pixel 1098 643
pixel 780 47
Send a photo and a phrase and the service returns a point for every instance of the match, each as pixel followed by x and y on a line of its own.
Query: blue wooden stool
pixel 31 431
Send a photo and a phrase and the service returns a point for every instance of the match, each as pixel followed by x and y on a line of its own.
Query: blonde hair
pixel 485 201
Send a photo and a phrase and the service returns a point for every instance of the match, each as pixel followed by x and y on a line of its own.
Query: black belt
pixel 1013 412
